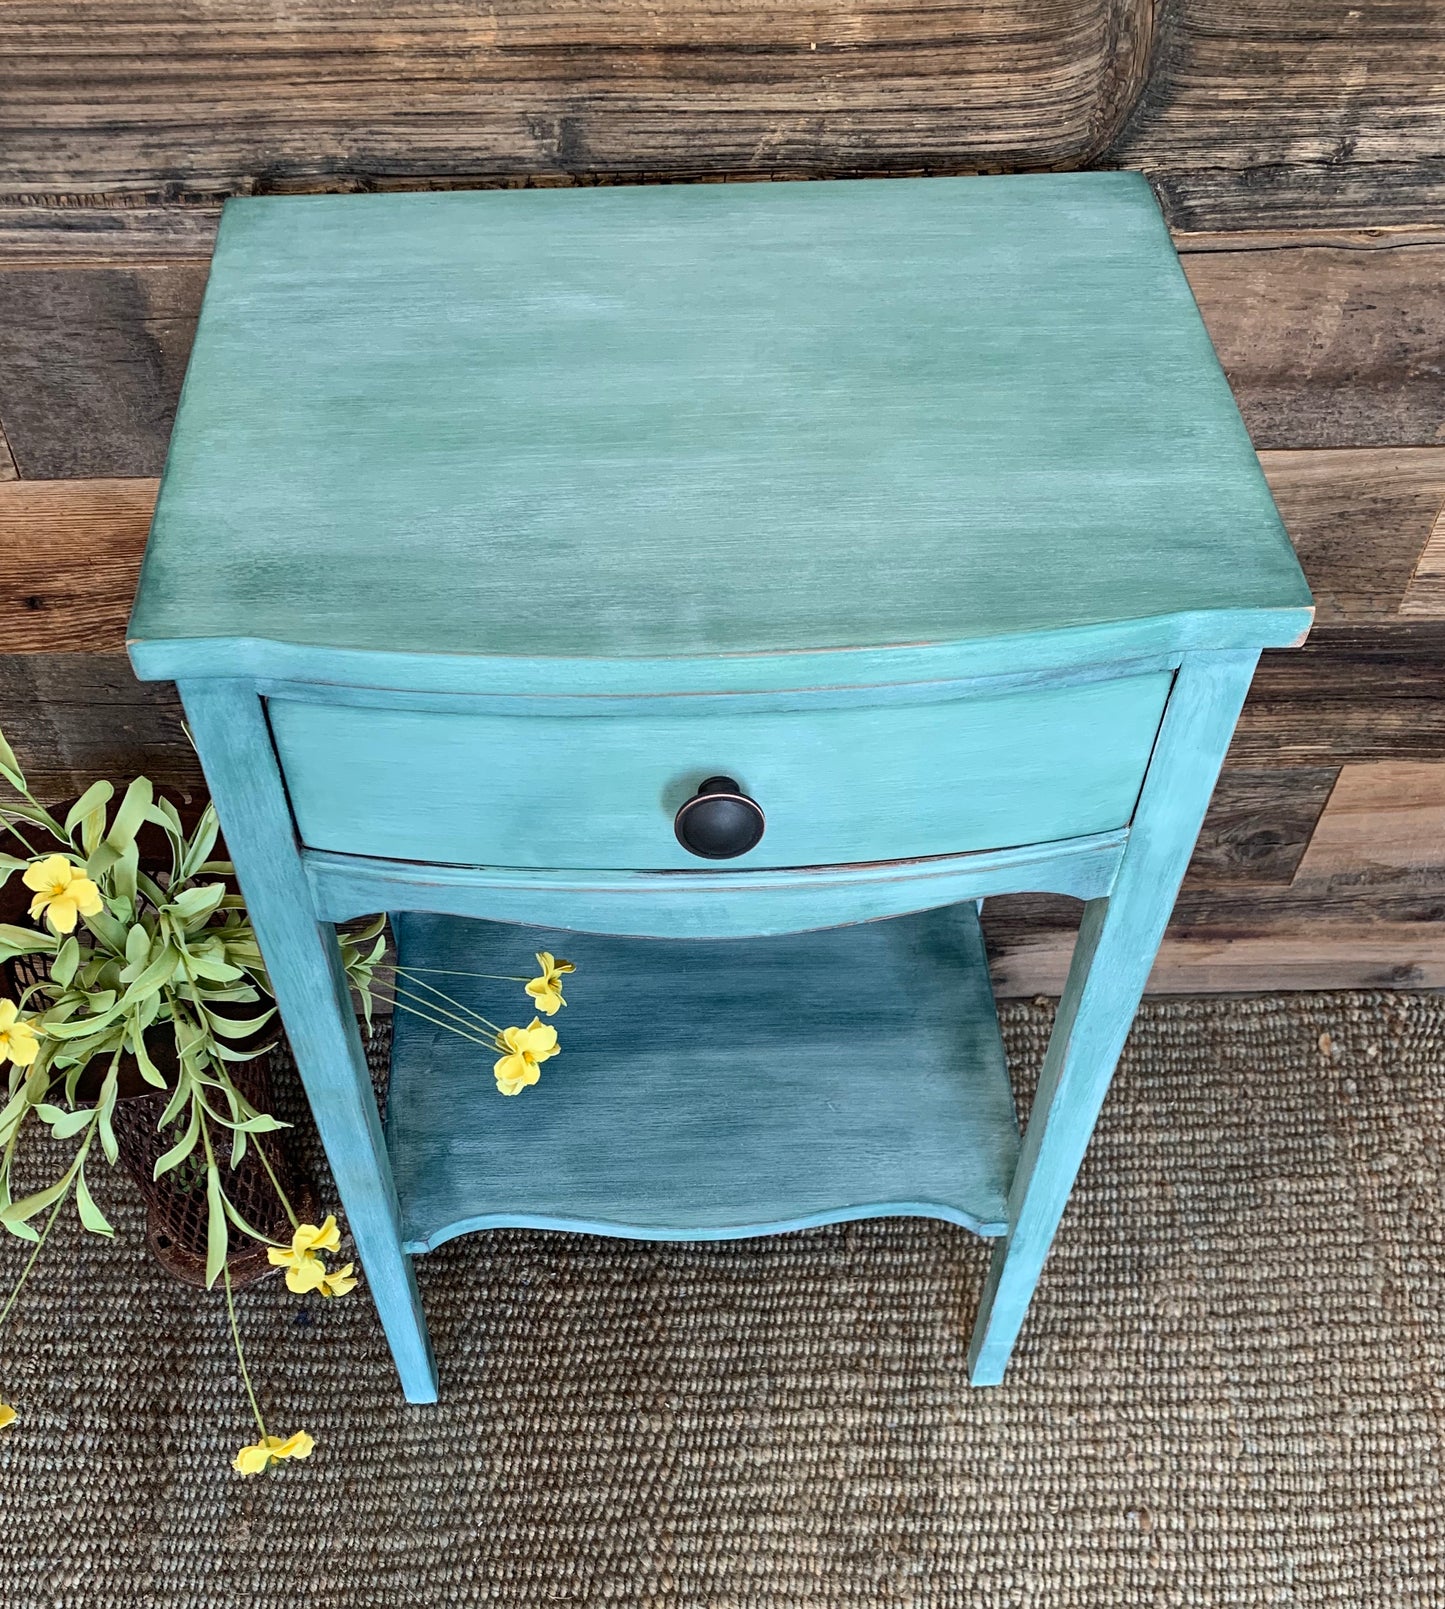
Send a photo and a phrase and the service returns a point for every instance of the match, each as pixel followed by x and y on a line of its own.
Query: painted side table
pixel 735 584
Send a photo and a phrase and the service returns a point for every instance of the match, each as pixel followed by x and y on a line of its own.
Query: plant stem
pixel 436 1022
pixel 448 972
pixel 39 1247
pixel 241 1356
pixel 270 1174
pixel 464 1011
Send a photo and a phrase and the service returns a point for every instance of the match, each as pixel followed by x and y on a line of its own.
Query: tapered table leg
pixel 303 962
pixel 1117 943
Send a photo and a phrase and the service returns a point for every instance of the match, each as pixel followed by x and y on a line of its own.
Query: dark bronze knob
pixel 719 821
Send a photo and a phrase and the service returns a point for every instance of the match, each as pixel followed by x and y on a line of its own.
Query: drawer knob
pixel 719 821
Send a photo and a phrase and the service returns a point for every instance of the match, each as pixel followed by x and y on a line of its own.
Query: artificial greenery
pixel 132 956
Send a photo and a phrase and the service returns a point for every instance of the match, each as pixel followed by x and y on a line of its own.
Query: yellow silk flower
pixel 7 1415
pixel 304 1269
pixel 341 1283
pixel 62 892
pixel 546 991
pixel 17 1039
pixel 271 1450
pixel 527 1048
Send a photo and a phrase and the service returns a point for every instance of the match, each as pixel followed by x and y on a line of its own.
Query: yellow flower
pixel 63 892
pixel 271 1450
pixel 340 1283
pixel 17 1038
pixel 546 991
pixel 304 1269
pixel 7 1415
pixel 527 1048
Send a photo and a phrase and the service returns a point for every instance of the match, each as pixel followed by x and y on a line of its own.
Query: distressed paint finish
pixel 1117 942
pixel 867 782
pixel 937 482
pixel 701 423
pixel 709 904
pixel 303 963
pixel 711 1091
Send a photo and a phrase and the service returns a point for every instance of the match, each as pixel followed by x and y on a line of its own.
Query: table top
pixel 680 427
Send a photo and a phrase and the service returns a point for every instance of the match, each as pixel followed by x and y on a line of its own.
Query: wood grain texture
pixel 1367 692
pixel 707 1132
pixel 91 362
pixel 1293 941
pixel 692 398
pixel 1385 823
pixel 1425 595
pixel 1360 521
pixel 211 97
pixel 49 236
pixel 73 552
pixel 1293 113
pixel 1259 824
pixel 1328 346
pixel 76 716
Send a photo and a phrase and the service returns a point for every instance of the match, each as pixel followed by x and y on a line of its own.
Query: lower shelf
pixel 709 1090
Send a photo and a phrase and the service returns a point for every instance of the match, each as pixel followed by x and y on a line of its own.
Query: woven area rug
pixel 1230 1390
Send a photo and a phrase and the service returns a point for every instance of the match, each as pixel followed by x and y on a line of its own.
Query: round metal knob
pixel 719 822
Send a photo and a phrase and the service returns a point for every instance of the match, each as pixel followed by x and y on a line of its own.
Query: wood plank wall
pixel 1296 146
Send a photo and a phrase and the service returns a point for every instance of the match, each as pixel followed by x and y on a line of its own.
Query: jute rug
pixel 1230 1390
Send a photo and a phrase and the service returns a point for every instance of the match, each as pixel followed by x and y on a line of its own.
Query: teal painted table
pixel 913 517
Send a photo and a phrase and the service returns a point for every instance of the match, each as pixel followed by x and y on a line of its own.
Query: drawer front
pixel 837 785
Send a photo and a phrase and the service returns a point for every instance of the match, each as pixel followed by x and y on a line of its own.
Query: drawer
pixel 862 782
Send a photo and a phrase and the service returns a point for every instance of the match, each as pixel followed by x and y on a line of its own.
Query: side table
pixel 726 587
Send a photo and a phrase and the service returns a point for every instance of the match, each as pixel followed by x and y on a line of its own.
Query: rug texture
pixel 1229 1391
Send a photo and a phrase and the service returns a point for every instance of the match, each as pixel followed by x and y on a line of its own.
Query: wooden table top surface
pixel 705 422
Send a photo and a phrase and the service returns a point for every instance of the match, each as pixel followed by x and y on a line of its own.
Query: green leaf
pixel 105 1112
pixel 9 763
pixel 67 959
pixel 64 1124
pixel 19 1212
pixel 182 1148
pixel 95 798
pixel 215 1226
pixel 195 906
pixel 136 1039
pixel 232 1028
pixel 127 868
pixel 203 841
pixel 133 811
pixel 90 1215
pixel 25 941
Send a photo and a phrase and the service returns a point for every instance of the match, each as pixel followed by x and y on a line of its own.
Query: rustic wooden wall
pixel 1296 146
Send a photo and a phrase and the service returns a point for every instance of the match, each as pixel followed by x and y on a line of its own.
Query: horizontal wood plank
pixel 91 363
pixel 72 717
pixel 1330 346
pixel 1360 520
pixel 1294 113
pixel 76 548
pixel 208 97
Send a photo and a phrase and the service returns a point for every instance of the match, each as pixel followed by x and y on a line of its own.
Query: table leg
pixel 1118 939
pixel 304 966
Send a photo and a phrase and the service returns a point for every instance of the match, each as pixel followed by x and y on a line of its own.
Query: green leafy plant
pixel 154 964
pixel 161 966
